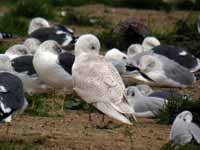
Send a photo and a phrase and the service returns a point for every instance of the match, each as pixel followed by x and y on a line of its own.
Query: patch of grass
pixel 38 105
pixel 19 146
pixel 170 146
pixel 83 19
pixel 3 49
pixel 13 24
pixel 33 8
pixel 176 106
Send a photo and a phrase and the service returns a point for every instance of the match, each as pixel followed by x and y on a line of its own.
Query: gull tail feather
pixel 108 109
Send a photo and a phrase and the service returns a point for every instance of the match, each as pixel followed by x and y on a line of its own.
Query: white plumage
pixel 184 130
pixel 97 81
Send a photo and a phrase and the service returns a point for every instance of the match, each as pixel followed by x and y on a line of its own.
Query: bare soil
pixel 74 131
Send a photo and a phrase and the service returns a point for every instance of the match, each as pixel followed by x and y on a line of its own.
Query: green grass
pixel 176 106
pixel 33 8
pixel 17 145
pixel 170 146
pixel 14 24
pixel 83 19
pixel 40 105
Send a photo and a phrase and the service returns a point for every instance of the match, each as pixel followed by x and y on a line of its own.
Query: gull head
pixel 144 89
pixel 115 54
pixel 185 116
pixel 134 49
pixel 17 50
pixel 50 46
pixel 87 44
pixel 37 23
pixel 149 43
pixel 148 63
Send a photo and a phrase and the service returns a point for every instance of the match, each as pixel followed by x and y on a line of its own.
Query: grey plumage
pixel 144 106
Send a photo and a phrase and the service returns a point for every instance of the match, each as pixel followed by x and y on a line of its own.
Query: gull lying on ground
pixel 177 54
pixel 17 51
pixel 23 68
pixel 161 71
pixel 144 106
pixel 40 29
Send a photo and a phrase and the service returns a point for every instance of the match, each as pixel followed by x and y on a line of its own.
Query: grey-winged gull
pixel 144 106
pixel 59 33
pixel 23 68
pixel 161 93
pixel 162 71
pixel 54 67
pixel 11 96
pixel 97 81
pixel 178 54
pixel 183 130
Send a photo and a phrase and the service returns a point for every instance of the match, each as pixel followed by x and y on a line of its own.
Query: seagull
pixel 97 81
pixel 144 89
pixel 183 130
pixel 150 42
pixel 177 54
pixel 17 50
pixel 42 31
pixel 144 106
pixel 162 93
pixel 162 71
pixel 11 96
pixel 23 68
pixel 32 44
pixel 134 49
pixel 118 59
pixel 54 67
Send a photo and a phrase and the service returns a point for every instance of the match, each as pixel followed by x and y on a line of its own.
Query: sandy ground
pixel 74 131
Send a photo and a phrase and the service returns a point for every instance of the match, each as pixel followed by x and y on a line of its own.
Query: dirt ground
pixel 74 131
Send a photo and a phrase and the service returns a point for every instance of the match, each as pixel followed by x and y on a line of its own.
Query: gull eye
pixel 124 57
pixel 93 47
pixel 133 94
pixel 57 49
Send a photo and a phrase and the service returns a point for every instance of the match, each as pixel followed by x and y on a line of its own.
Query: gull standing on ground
pixel 54 67
pixel 183 130
pixel 97 81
